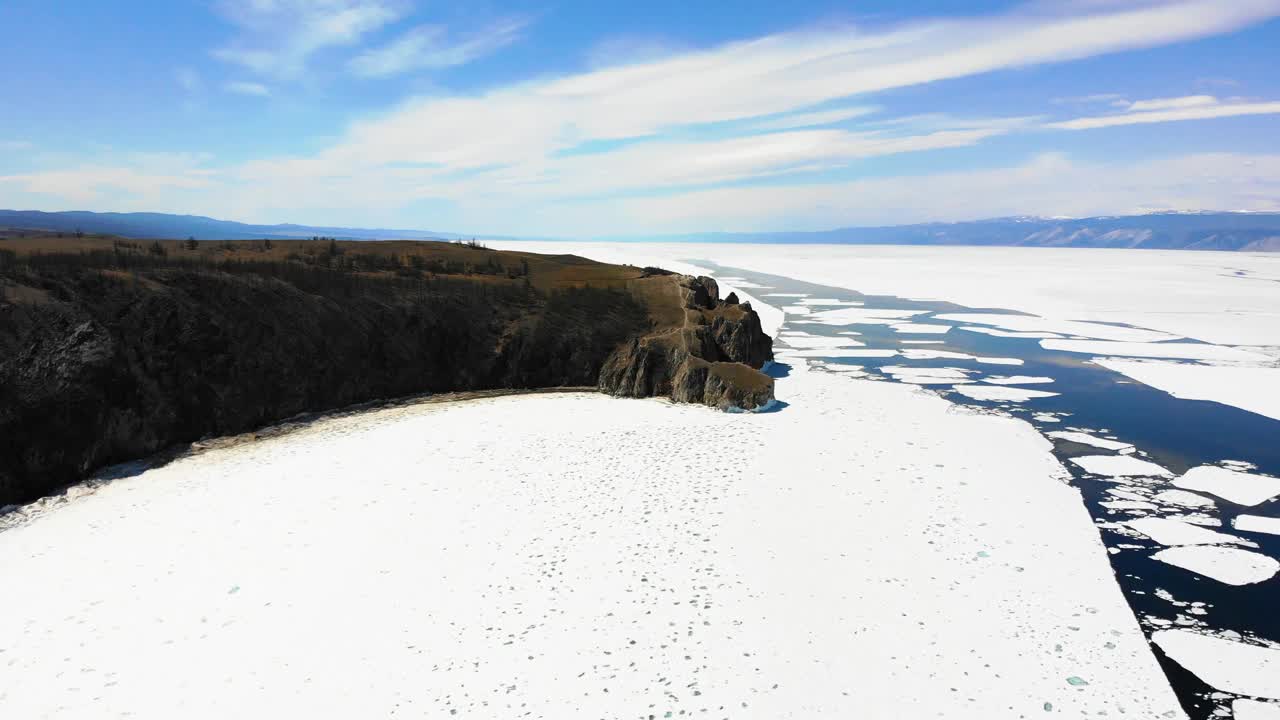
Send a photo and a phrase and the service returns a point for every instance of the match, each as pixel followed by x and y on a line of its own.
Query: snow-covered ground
pixel 869 551
pixel 866 552
pixel 1219 310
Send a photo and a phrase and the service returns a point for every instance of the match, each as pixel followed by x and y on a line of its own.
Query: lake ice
pixel 847 556
pixel 580 554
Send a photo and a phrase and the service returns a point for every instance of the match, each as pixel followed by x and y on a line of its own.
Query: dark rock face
pixel 713 359
pixel 108 369
pixel 102 366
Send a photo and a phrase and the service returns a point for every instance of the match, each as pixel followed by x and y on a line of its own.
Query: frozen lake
pixel 1133 450
pixel 998 526
pixel 866 552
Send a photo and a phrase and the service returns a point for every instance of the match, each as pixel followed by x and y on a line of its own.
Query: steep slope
pixel 709 353
pixel 111 350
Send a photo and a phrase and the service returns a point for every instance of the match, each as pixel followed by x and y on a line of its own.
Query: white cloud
pixel 784 73
pixel 933 122
pixel 631 49
pixel 812 119
pixel 278 37
pixel 247 88
pixel 1048 185
pixel 1199 107
pixel 429 47
pixel 1177 103
pixel 1095 99
pixel 674 164
pixel 133 182
pixel 549 149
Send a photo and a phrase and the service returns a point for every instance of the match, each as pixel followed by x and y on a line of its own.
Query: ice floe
pixel 1256 389
pixel 1128 505
pixel 1177 350
pixel 863 316
pixel 997 393
pixel 926 376
pixel 1119 466
pixel 796 309
pixel 921 328
pixel 1087 439
pixel 1126 494
pixel 847 370
pixel 1238 487
pixel 841 353
pixel 1244 709
pixel 1010 334
pixel 1171 531
pixel 830 302
pixel 925 354
pixel 818 341
pixel 1258 524
pixel 1227 665
pixel 1226 565
pixel 1183 498
pixel 1032 326
pixel 1017 380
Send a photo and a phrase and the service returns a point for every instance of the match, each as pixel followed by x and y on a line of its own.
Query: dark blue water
pixel 1174 433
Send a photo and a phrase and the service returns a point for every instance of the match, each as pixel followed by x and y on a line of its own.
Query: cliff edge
pixel 112 350
pixel 708 351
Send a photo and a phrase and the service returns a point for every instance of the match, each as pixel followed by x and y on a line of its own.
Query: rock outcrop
pixel 115 356
pixel 712 356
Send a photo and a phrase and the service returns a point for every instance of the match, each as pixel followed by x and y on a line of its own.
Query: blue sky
pixel 597 118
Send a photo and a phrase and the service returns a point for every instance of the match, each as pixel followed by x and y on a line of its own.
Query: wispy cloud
pixel 247 88
pixel 1095 99
pixel 1195 107
pixel 669 128
pixel 125 182
pixel 1049 184
pixel 934 122
pixel 1178 103
pixel 812 119
pixel 430 47
pixel 761 78
pixel 278 37
pixel 674 164
pixel 631 49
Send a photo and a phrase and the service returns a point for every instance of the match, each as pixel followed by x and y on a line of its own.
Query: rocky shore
pixel 115 356
pixel 713 357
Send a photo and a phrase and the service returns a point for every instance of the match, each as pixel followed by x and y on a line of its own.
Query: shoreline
pixel 549 535
pixel 14 516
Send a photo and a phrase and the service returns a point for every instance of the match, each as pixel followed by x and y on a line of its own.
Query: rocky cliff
pixel 108 356
pixel 712 356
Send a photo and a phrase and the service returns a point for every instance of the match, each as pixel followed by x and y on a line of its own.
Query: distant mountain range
pixel 162 225
pixel 1253 232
